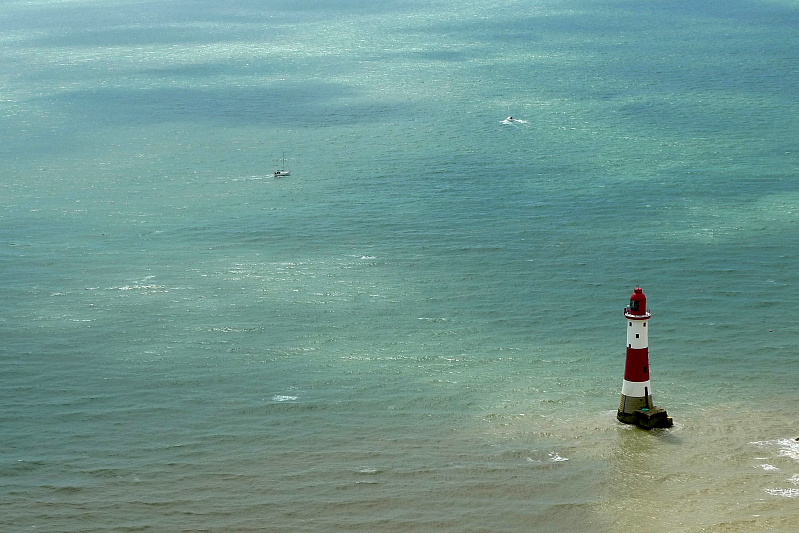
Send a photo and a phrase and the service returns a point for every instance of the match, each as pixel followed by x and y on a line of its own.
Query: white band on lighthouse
pixel 638 334
pixel 636 389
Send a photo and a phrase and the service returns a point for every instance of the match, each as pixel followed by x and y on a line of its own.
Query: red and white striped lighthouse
pixel 635 405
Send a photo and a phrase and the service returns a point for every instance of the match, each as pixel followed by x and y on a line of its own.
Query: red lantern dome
pixel 637 302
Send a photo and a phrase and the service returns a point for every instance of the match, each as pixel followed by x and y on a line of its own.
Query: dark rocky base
pixel 654 418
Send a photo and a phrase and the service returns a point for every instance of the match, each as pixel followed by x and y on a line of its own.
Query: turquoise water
pixel 420 329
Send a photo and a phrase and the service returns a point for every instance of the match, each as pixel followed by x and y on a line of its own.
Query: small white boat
pixel 511 120
pixel 282 172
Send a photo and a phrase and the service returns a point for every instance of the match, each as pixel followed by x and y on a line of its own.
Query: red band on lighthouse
pixel 637 366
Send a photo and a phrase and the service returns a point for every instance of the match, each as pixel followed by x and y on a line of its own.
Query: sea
pixel 420 328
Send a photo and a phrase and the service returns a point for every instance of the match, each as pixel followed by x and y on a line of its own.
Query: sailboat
pixel 511 120
pixel 508 120
pixel 282 172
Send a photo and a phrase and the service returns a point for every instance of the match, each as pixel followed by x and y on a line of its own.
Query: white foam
pixel 283 398
pixel 786 447
pixel 785 493
pixel 789 448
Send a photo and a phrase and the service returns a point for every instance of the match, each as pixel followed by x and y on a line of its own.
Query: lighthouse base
pixel 653 418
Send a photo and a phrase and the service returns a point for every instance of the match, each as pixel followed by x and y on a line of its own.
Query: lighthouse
pixel 635 405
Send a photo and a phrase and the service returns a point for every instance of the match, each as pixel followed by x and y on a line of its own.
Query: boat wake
pixel 512 120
